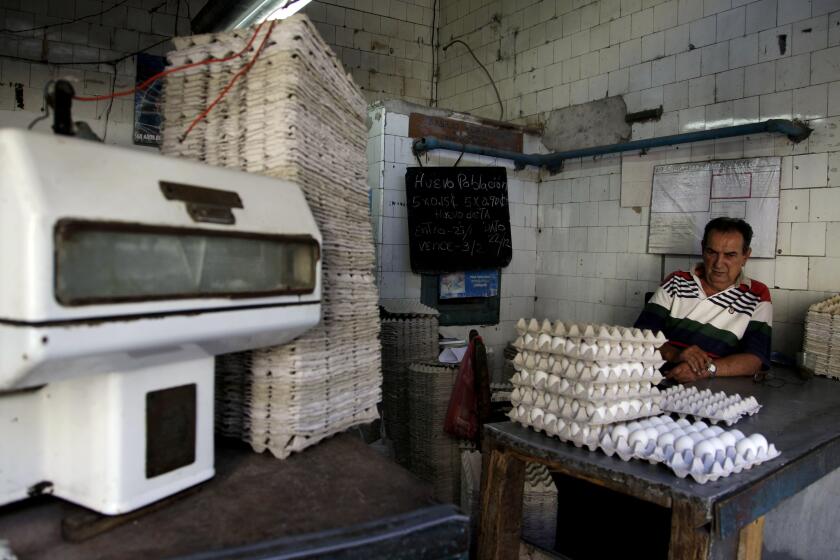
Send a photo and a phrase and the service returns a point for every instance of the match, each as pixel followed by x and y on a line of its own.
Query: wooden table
pixel 338 499
pixel 722 519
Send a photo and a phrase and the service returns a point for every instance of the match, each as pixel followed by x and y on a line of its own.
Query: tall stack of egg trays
pixel 573 380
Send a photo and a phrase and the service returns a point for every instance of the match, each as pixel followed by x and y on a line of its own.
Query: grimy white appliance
pixel 122 273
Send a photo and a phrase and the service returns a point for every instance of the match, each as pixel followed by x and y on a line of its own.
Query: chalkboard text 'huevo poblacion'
pixel 462 181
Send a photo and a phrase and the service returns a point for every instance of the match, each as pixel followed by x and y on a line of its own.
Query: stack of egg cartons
pixel 822 337
pixel 293 113
pixel 434 455
pixel 572 379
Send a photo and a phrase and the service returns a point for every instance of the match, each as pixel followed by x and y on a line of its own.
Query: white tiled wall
pixel 709 63
pixel 125 28
pixel 389 153
pixel 385 44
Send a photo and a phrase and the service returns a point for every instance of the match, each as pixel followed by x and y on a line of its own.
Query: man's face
pixel 724 257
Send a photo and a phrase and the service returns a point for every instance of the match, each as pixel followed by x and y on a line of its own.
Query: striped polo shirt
pixel 736 320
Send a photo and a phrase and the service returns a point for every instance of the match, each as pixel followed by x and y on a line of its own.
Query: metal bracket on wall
pixel 796 131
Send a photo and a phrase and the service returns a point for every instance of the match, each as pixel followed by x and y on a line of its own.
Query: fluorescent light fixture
pixel 287 8
pixel 265 10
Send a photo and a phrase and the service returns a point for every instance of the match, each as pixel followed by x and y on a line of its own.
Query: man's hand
pixel 695 358
pixel 683 373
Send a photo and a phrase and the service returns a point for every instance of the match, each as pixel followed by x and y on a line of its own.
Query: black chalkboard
pixel 458 218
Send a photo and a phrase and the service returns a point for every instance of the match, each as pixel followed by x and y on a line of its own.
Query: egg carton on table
pixel 588 390
pixel 716 407
pixel 599 372
pixel 577 433
pixel 587 331
pixel 594 350
pixel 589 412
pixel 705 453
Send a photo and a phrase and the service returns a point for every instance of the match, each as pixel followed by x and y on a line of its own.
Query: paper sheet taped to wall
pixel 687 195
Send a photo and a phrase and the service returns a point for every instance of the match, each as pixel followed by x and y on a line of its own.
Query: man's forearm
pixel 737 364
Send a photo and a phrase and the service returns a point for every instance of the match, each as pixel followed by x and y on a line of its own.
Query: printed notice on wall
pixel 687 195
pixel 469 284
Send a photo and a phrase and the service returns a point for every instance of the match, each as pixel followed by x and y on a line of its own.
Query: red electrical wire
pixel 229 85
pixel 146 83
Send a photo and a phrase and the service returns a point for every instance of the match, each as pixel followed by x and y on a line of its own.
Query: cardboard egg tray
pixel 715 407
pixel 583 411
pixel 582 370
pixel 587 332
pixel 697 450
pixel 595 350
pixel 587 390
pixel 578 433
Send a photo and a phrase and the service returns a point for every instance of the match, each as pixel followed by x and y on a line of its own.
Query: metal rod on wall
pixel 795 131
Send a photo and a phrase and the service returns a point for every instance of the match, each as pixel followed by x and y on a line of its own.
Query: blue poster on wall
pixel 147 102
pixel 469 284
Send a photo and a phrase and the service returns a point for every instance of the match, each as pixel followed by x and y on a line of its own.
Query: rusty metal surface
pixel 254 498
pixel 802 420
pixel 465 132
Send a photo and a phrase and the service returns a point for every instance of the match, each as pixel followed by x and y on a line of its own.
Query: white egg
pixel 745 445
pixel 633 426
pixel 717 443
pixel 717 430
pixel 637 436
pixel 662 428
pixel 759 441
pixel 696 437
pixel 652 433
pixel 682 423
pixel 667 438
pixel 739 435
pixel 708 433
pixel 700 426
pixel 703 447
pixel 727 438
pixel 678 432
pixel 684 442
pixel 619 432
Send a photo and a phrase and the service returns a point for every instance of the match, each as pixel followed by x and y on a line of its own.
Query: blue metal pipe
pixel 795 131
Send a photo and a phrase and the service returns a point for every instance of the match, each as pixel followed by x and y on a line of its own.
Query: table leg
pixel 688 542
pixel 500 522
pixel 750 540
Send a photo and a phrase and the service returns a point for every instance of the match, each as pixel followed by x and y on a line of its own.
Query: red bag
pixel 462 413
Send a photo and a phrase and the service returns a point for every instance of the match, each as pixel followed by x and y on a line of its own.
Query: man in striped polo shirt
pixel 718 321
